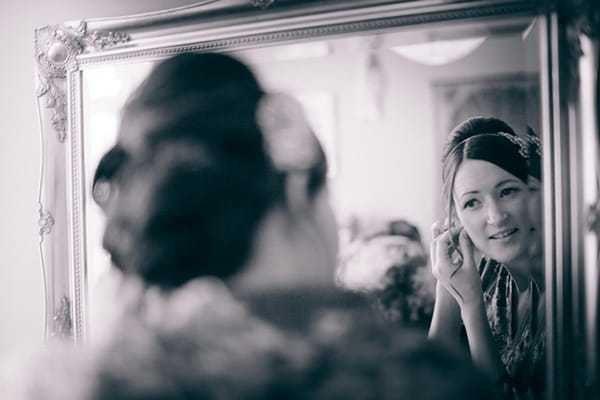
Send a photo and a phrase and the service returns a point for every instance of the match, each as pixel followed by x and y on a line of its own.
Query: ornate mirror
pixel 383 82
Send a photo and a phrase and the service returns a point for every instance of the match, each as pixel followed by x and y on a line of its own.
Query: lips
pixel 504 233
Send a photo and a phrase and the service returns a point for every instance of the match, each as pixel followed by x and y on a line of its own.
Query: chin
pixel 506 254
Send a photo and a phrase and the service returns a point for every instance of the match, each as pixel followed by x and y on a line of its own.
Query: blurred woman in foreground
pixel 218 216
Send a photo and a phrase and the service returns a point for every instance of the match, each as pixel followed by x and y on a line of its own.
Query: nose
pixel 495 214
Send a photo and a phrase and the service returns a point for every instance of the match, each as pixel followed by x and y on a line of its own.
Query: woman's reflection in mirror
pixel 487 256
pixel 218 217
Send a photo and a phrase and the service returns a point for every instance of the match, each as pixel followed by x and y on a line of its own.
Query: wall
pixel 21 290
pixel 388 165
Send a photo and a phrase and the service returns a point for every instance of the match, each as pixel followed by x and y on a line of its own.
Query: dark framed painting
pixel 513 98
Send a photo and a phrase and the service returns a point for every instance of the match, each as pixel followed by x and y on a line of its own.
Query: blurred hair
pixel 193 191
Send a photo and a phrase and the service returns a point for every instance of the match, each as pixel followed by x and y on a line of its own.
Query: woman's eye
pixel 509 191
pixel 470 203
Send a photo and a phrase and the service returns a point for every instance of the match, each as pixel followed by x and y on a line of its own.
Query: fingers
pixel 460 278
pixel 442 266
pixel 445 258
pixel 466 247
pixel 437 228
pixel 432 256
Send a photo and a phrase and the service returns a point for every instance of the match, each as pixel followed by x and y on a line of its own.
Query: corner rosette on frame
pixel 289 138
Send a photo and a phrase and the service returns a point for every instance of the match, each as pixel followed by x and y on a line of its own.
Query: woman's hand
pixel 458 276
pixel 460 279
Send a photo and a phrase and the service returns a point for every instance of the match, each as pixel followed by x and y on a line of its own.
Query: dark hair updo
pixel 486 139
pixel 186 199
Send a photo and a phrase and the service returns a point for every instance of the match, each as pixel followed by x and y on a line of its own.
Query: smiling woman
pixel 492 208
pixel 500 302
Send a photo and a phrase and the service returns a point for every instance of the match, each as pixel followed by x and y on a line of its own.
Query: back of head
pixel 195 96
pixel 194 177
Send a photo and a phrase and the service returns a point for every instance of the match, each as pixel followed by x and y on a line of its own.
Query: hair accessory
pixel 534 143
pixel 289 139
pixel 523 148
pixel 101 191
pixel 108 167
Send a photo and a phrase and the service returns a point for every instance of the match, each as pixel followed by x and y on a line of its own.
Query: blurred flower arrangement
pixel 392 268
pixel 408 294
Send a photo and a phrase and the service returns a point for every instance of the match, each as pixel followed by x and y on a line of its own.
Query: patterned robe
pixel 520 337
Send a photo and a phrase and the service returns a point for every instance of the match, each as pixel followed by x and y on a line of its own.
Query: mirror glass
pixel 381 102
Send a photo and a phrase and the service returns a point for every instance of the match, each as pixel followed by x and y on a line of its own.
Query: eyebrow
pixel 509 180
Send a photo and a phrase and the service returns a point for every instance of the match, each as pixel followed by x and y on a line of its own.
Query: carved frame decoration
pixel 63 52
pixel 56 48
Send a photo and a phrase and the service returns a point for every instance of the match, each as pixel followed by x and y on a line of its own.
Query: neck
pixel 280 260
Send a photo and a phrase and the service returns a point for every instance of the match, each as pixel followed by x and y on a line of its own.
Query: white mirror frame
pixel 64 51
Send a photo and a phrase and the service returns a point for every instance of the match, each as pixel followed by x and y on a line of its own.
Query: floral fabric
pixel 519 334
